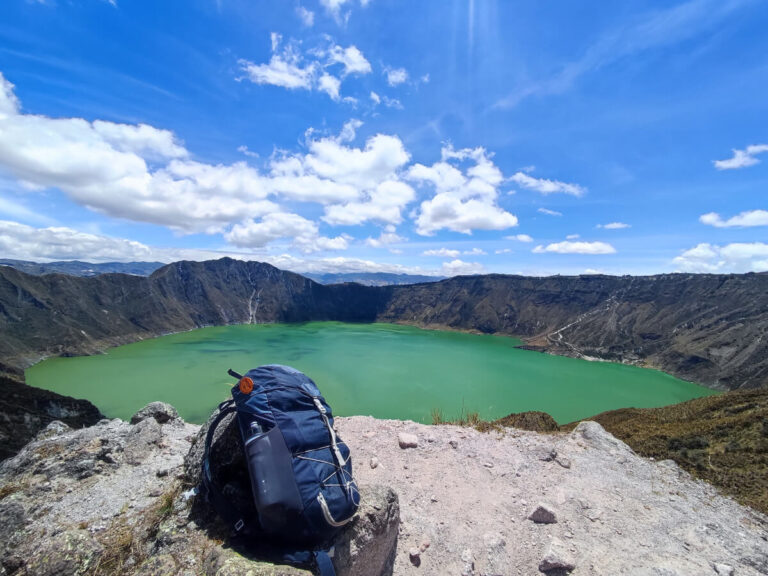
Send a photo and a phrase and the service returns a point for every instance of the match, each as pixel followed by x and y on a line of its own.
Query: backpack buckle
pixel 239 525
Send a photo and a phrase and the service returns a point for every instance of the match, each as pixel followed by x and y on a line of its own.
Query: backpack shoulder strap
pixel 211 491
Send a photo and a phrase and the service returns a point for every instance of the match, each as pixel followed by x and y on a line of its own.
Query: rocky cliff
pixel 24 411
pixel 118 498
pixel 701 327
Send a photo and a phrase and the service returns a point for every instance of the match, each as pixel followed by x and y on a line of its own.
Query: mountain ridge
pixel 705 328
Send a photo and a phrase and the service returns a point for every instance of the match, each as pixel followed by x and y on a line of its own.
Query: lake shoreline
pixel 491 396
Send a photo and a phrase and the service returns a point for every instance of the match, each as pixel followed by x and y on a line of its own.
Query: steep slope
pixel 58 314
pixel 706 328
pixel 25 410
pixel 702 327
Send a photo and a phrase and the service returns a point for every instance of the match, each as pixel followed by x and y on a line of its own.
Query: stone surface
pixel 161 412
pixel 406 440
pixel 723 569
pixel 543 514
pixel 78 499
pixel 414 555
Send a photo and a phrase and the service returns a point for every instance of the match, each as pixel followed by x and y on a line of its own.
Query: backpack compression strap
pixel 213 495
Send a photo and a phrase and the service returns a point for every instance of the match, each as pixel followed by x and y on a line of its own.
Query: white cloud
pixel 392 103
pixel 351 58
pixel 614 226
pixel 520 238
pixel 549 212
pixel 474 252
pixel 60 243
pixel 383 203
pixel 503 251
pixel 285 68
pixel 459 267
pixel 395 76
pixel 375 98
pixel 246 152
pixel 545 186
pixel 576 248
pixel 136 172
pixel 572 237
pixel 744 219
pixel 387 237
pixel 304 233
pixel 334 8
pixel 736 257
pixel 307 16
pixel 341 264
pixel 742 158
pixel 463 201
pixel 330 85
pixel 142 173
pixel 9 103
pixel 442 253
pixel 289 68
pixel 365 180
pixel 349 130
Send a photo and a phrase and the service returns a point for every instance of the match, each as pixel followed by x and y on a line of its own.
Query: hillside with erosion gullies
pixel 701 327
pixel 117 498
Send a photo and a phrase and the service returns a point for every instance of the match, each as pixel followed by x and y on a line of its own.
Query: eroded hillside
pixel 706 328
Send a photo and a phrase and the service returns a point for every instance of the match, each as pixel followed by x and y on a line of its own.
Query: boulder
pixel 161 412
pixel 365 547
pixel 543 514
pixel 406 440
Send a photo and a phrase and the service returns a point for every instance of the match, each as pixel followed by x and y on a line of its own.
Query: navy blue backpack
pixel 300 470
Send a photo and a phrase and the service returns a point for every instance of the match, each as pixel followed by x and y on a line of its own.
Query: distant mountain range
pixel 709 328
pixel 373 278
pixel 78 268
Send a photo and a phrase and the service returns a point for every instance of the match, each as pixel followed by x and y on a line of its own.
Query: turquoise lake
pixel 383 370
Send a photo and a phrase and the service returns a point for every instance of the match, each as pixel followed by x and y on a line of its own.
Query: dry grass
pixel 127 536
pixel 11 488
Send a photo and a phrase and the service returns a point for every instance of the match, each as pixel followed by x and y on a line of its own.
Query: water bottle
pixel 255 430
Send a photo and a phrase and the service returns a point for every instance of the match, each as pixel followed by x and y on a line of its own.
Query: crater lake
pixel 382 370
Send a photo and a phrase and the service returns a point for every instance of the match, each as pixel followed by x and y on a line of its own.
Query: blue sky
pixel 438 137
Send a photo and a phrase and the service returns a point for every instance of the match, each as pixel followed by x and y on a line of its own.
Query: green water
pixel 383 370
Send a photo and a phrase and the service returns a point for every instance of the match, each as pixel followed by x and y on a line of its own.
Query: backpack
pixel 300 470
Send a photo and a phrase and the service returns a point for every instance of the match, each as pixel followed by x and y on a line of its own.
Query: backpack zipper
pixel 327 513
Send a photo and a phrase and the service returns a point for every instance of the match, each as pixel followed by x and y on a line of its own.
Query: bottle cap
pixel 246 385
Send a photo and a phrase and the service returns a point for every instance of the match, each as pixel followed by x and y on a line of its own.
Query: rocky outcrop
pixel 119 498
pixel 24 411
pixel 703 327
pixel 722 439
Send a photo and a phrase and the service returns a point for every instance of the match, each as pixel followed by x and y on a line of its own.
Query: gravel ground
pixel 499 503
pixel 466 496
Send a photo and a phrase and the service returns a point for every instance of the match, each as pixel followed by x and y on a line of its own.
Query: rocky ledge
pixel 118 498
